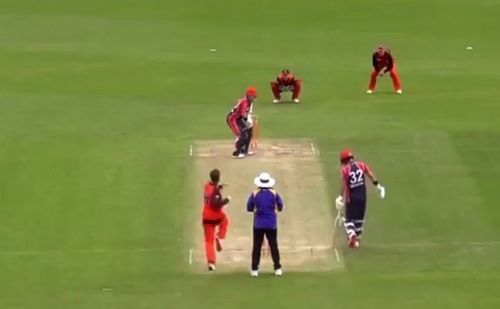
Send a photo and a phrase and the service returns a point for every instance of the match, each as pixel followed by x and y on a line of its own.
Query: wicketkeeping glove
pixel 339 202
pixel 381 191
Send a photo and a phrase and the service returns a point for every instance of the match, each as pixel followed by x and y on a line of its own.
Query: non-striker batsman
pixel 353 195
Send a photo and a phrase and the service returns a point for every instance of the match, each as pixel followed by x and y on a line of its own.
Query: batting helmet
pixel 251 91
pixel 346 155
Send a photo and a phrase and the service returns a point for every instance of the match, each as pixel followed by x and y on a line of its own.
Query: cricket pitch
pixel 305 227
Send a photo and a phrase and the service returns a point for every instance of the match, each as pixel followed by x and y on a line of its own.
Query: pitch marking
pixel 313 149
pixel 337 255
pixel 492 243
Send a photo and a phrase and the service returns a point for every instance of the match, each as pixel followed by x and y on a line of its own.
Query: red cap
pixel 251 91
pixel 346 155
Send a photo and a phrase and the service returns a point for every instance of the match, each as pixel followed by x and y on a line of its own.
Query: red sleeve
pixel 390 63
pixel 345 173
pixel 365 167
pixel 218 200
pixel 241 108
pixel 244 107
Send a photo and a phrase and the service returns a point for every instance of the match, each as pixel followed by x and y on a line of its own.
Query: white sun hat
pixel 264 180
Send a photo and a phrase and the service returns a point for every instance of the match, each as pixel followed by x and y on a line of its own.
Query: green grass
pixel 99 101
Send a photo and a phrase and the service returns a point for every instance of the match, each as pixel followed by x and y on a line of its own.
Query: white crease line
pixel 313 148
pixel 190 258
pixel 386 150
pixel 284 248
pixel 190 150
pixel 337 255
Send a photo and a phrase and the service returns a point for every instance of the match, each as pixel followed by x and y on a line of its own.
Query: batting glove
pixel 339 202
pixel 381 191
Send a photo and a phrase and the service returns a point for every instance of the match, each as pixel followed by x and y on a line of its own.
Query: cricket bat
pixel 256 133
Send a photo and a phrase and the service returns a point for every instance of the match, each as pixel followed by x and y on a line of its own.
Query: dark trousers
pixel 244 134
pixel 272 239
pixel 355 217
pixel 243 142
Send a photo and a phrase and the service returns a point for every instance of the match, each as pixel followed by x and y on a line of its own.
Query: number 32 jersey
pixel 354 177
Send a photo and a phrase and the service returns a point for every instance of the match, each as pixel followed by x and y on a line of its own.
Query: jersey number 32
pixel 356 177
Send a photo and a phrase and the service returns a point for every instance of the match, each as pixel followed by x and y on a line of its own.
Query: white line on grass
pixel 190 150
pixel 337 255
pixel 423 245
pixel 190 259
pixel 313 149
pixel 387 150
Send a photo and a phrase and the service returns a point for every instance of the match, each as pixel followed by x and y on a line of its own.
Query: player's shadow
pixel 384 92
pixel 287 102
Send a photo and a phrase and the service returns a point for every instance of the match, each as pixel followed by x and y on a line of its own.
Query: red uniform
pixel 213 217
pixel 353 175
pixel 235 117
pixel 387 61
pixel 286 82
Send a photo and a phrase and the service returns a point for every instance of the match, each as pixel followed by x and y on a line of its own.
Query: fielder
pixel 240 120
pixel 383 62
pixel 286 82
pixel 352 198
pixel 214 217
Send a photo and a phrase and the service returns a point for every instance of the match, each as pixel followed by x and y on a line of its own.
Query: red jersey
pixel 213 202
pixel 354 178
pixel 286 79
pixel 383 61
pixel 241 108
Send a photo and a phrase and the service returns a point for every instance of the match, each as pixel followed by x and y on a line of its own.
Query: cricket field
pixel 113 112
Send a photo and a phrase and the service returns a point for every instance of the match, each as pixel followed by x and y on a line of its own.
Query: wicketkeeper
pixel 286 82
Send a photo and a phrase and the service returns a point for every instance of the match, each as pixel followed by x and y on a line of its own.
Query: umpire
pixel 264 202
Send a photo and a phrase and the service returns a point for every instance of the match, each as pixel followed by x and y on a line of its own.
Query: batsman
pixel 352 198
pixel 241 121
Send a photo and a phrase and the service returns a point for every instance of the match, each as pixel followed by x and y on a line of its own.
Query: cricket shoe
pixel 369 91
pixel 218 244
pixel 353 241
pixel 399 91
pixel 211 267
pixel 276 101
pixel 296 100
pixel 250 153
pixel 254 273
pixel 238 155
pixel 278 272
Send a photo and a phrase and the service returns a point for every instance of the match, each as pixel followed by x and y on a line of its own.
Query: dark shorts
pixel 355 210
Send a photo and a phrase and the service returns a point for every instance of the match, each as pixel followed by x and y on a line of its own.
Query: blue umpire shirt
pixel 264 203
